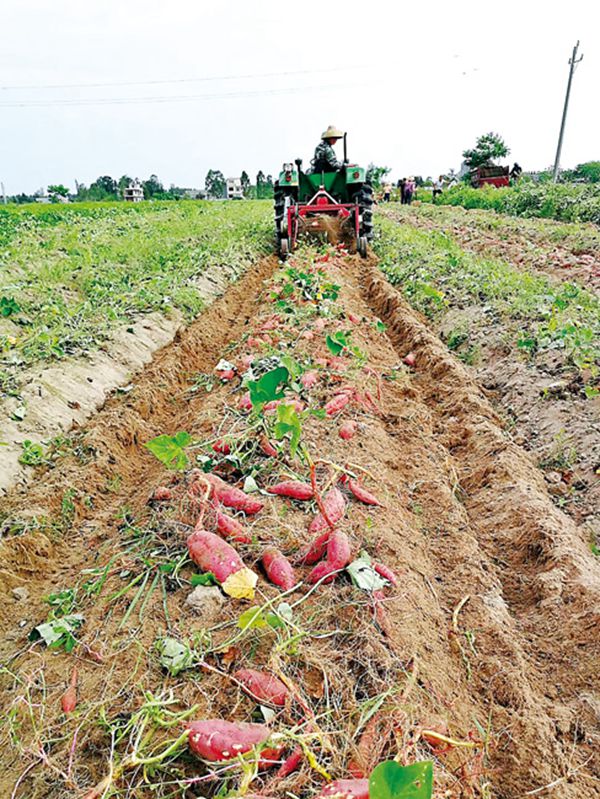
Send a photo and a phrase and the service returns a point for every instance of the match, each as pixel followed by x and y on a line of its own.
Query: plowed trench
pixel 494 619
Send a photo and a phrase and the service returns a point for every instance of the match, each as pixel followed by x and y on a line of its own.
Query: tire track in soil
pixel 467 514
pixel 539 611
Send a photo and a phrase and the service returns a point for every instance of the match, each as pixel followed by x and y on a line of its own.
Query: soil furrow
pixel 545 598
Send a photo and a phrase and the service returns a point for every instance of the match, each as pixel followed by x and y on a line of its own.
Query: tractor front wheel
pixel 361 246
pixel 365 202
pixel 284 248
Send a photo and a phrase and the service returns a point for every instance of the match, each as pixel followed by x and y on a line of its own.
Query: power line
pixel 246 76
pixel 70 103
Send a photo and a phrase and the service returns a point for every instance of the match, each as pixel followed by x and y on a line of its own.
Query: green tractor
pixel 339 204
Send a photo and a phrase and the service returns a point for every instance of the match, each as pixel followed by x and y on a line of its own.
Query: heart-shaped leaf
pixel 390 780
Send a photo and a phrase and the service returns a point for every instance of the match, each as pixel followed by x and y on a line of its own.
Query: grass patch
pixel 435 274
pixel 74 273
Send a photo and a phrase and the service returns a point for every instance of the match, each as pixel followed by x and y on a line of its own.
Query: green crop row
pixel 70 274
pixel 567 202
pixel 435 274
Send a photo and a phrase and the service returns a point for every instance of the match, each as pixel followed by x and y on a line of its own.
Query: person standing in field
pixel 387 192
pixel 438 187
pixel 409 190
pixel 325 159
pixel 402 187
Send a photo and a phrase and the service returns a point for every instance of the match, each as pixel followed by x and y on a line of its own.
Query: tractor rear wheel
pixel 361 246
pixel 279 205
pixel 365 202
pixel 284 248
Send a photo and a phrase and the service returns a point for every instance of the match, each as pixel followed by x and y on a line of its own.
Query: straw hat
pixel 332 133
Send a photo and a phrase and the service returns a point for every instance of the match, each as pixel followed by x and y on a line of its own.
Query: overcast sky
pixel 413 84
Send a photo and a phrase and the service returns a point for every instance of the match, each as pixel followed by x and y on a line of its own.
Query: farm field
pixel 434 593
pixel 90 291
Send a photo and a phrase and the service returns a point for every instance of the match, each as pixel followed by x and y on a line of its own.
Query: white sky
pixel 412 83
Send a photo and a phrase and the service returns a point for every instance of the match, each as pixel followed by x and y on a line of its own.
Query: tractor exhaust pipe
pixel 345 150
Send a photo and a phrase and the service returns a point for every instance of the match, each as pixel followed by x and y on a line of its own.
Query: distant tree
pixel 214 184
pixel 260 184
pixel 57 190
pixel 245 178
pixel 152 188
pixel 268 188
pixel 487 148
pixel 375 174
pixel 589 171
pixel 124 182
pixel 103 188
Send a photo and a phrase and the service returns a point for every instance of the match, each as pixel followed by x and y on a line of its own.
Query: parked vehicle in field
pixel 339 203
pixel 491 175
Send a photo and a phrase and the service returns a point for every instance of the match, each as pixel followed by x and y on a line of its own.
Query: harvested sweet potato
pixel 385 572
pixel 348 429
pixel 212 554
pixel 362 494
pixel 263 686
pixel 68 701
pixel 162 494
pixel 338 550
pixel 346 789
pixel 314 551
pixel 335 508
pixel 291 763
pixel 233 497
pixel 218 740
pixel 324 569
pixel 278 568
pixel 229 527
pixel 337 404
pixel 294 489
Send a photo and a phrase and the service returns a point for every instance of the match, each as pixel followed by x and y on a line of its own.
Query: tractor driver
pixel 325 160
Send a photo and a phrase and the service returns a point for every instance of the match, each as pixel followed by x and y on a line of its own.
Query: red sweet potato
pixel 290 764
pixel 162 494
pixel 348 429
pixel 217 740
pixel 346 789
pixel 337 404
pixel 212 554
pixel 226 374
pixel 222 447
pixel 309 379
pixel 293 489
pixel 362 494
pixel 322 569
pixel 245 403
pixel 353 318
pixel 314 551
pixel 385 572
pixel 68 701
pixel 233 497
pixel 278 568
pixel 263 686
pixel 410 359
pixel 338 550
pixel 335 508
pixel 268 448
pixel 229 527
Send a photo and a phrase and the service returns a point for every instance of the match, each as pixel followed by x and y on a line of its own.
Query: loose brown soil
pixel 491 633
pixel 541 397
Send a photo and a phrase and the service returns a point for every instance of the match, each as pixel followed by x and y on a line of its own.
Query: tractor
pixel 339 204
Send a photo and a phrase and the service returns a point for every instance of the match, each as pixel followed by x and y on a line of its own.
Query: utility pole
pixel 573 61
pixel 3 193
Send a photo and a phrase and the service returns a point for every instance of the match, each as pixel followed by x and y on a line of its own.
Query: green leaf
pixel 591 392
pixel 390 780
pixel 337 342
pixel 8 306
pixel 380 326
pixel 58 632
pixel 267 388
pixel 364 576
pixel 170 449
pixel 174 656
pixel 251 618
pixel 288 423
pixel 208 578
